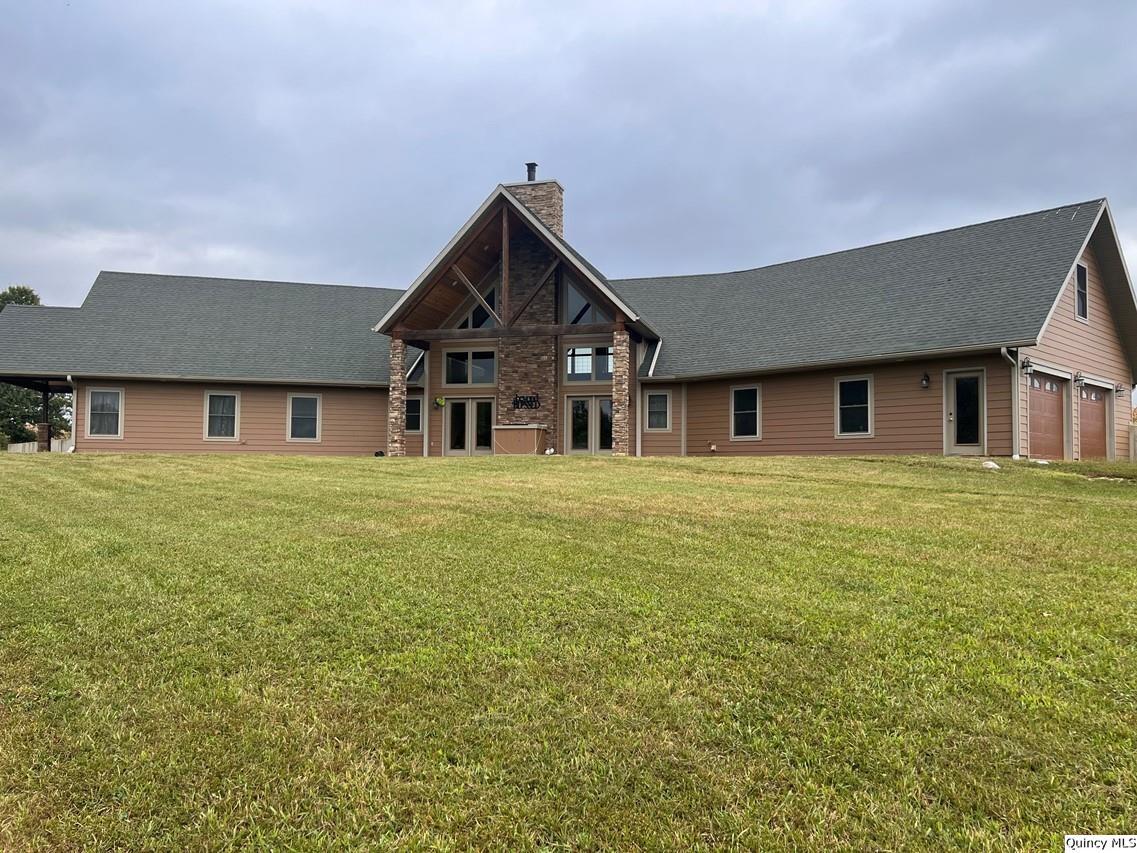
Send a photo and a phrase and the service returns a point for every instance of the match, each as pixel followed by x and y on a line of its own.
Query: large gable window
pixel 221 414
pixel 579 309
pixel 746 412
pixel 479 317
pixel 104 413
pixel 854 406
pixel 304 417
pixel 588 364
pixel 471 367
pixel 1082 292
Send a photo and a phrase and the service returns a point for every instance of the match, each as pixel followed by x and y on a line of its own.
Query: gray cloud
pixel 345 141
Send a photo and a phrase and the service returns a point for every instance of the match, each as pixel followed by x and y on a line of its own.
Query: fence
pixel 58 445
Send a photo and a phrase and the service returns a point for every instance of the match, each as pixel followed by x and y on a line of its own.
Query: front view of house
pixel 1016 336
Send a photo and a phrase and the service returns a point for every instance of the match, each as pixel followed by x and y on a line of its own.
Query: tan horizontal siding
pixel 1092 347
pixel 169 417
pixel 797 411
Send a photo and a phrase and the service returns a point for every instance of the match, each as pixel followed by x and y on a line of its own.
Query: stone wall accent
pixel 621 392
pixel 397 400
pixel 528 366
pixel 43 438
pixel 546 199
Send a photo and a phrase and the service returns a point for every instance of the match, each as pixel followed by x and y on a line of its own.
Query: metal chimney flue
pixel 530 171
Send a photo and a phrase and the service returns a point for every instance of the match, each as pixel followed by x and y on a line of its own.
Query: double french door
pixel 469 426
pixel 589 425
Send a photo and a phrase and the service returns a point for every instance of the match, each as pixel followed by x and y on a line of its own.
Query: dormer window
pixel 1082 293
pixel 479 318
pixel 579 309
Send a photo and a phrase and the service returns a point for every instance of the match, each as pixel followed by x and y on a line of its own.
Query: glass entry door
pixel 965 425
pixel 469 427
pixel 589 427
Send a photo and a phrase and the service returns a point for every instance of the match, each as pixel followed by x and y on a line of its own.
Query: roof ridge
pixel 247 280
pixel 1079 204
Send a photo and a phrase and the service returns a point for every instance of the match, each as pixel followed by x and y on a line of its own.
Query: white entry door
pixel 965 415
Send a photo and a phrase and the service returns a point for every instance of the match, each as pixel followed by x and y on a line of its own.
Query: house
pixel 1016 336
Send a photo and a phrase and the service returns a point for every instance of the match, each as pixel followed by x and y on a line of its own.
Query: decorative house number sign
pixel 531 401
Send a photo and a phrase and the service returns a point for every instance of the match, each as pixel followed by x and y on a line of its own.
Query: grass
pixel 203 652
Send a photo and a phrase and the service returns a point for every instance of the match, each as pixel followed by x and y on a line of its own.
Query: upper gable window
pixel 1082 293
pixel 580 309
pixel 479 317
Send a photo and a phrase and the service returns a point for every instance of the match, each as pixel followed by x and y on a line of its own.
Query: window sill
pixel 844 435
pixel 746 438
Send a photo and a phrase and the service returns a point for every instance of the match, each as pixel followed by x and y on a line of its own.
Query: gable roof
pixel 964 289
pixel 559 245
pixel 188 327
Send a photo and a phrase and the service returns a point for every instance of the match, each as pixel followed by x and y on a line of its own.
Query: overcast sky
pixel 345 142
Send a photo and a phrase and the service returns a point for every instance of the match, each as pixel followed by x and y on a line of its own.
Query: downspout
pixel 1016 392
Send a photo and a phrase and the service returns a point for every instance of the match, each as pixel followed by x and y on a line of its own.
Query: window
pixel 471 367
pixel 104 413
pixel 478 317
pixel 1082 293
pixel 587 364
pixel 745 412
pixel 303 417
pixel 854 406
pixel 221 414
pixel 579 309
pixel 414 414
pixel 659 411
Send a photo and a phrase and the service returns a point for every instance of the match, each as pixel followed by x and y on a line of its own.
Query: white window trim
pixel 214 392
pixel 319 418
pixel 421 414
pixel 470 349
pixel 1077 316
pixel 757 387
pixel 648 394
pixel 592 345
pixel 121 413
pixel 837 380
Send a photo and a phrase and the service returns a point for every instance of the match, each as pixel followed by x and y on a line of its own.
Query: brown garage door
pixel 1047 434
pixel 1091 420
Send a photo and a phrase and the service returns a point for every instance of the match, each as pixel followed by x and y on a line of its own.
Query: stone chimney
pixel 545 198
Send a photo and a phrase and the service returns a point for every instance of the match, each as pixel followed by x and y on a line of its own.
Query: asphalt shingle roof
pixel 209 328
pixel 975 287
pixel 982 285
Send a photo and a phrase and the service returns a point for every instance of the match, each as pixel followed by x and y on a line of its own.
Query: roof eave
pixel 801 367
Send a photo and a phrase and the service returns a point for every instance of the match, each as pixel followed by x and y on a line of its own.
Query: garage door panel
pixel 1047 417
pixel 1092 422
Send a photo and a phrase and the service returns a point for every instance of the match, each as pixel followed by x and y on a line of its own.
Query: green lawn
pixel 296 653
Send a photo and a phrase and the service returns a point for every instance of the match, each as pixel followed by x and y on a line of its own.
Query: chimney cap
pixel 530 171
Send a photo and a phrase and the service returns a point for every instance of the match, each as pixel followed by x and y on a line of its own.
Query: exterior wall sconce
pixel 1079 380
pixel 439 402
pixel 925 381
pixel 1119 389
pixel 1027 367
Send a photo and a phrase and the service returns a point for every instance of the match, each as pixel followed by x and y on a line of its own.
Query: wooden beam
pixel 504 262
pixel 540 283
pixel 425 335
pixel 470 287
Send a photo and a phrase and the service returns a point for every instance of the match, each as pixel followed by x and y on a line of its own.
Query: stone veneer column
pixel 43 438
pixel 397 400
pixel 621 389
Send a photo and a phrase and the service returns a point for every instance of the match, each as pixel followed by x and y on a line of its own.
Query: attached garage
pixel 1093 415
pixel 1047 417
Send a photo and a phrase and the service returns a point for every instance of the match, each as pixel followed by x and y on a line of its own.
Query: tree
pixel 18 294
pixel 22 408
